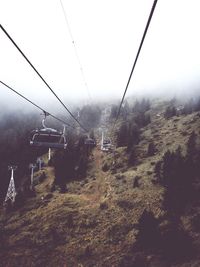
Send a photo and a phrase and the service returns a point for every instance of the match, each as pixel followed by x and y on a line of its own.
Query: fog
pixel 106 35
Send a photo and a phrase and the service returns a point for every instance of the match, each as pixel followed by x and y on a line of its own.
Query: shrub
pixel 105 167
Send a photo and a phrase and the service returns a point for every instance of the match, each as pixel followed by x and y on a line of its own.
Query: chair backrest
pixel 49 140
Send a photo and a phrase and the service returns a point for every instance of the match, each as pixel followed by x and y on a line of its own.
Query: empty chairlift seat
pixel 106 146
pixel 90 142
pixel 48 137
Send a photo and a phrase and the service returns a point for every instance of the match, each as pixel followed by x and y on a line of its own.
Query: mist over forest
pixel 16 124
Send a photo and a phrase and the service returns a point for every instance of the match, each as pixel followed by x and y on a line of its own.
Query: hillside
pixel 96 222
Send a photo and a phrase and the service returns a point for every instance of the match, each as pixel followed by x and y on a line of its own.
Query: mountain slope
pixel 95 222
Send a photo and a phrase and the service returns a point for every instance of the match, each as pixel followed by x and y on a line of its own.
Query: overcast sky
pixel 107 34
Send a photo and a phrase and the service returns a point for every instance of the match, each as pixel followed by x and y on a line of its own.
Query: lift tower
pixel 11 193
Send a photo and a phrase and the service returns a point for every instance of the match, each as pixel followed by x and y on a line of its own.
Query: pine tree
pixel 151 149
pixel 177 180
pixel 158 170
pixel 191 145
pixel 170 112
pixel 122 136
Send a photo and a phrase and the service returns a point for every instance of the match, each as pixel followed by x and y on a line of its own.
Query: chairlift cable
pixel 75 49
pixel 137 56
pixel 10 38
pixel 65 123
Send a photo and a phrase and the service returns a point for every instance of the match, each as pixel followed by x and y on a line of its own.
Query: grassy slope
pixel 93 223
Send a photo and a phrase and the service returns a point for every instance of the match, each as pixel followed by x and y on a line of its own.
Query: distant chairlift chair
pixel 90 142
pixel 106 146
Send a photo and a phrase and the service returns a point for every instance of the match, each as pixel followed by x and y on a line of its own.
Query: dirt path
pixel 99 189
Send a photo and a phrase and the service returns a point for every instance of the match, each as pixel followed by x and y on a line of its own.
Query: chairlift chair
pixel 90 142
pixel 106 146
pixel 48 137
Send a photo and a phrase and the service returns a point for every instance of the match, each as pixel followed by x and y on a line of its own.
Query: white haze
pixel 107 34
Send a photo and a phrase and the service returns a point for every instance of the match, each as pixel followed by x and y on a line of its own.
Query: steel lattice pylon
pixel 11 193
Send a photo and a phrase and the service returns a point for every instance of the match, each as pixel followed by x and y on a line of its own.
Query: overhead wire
pixel 75 49
pixel 28 100
pixel 136 58
pixel 29 62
